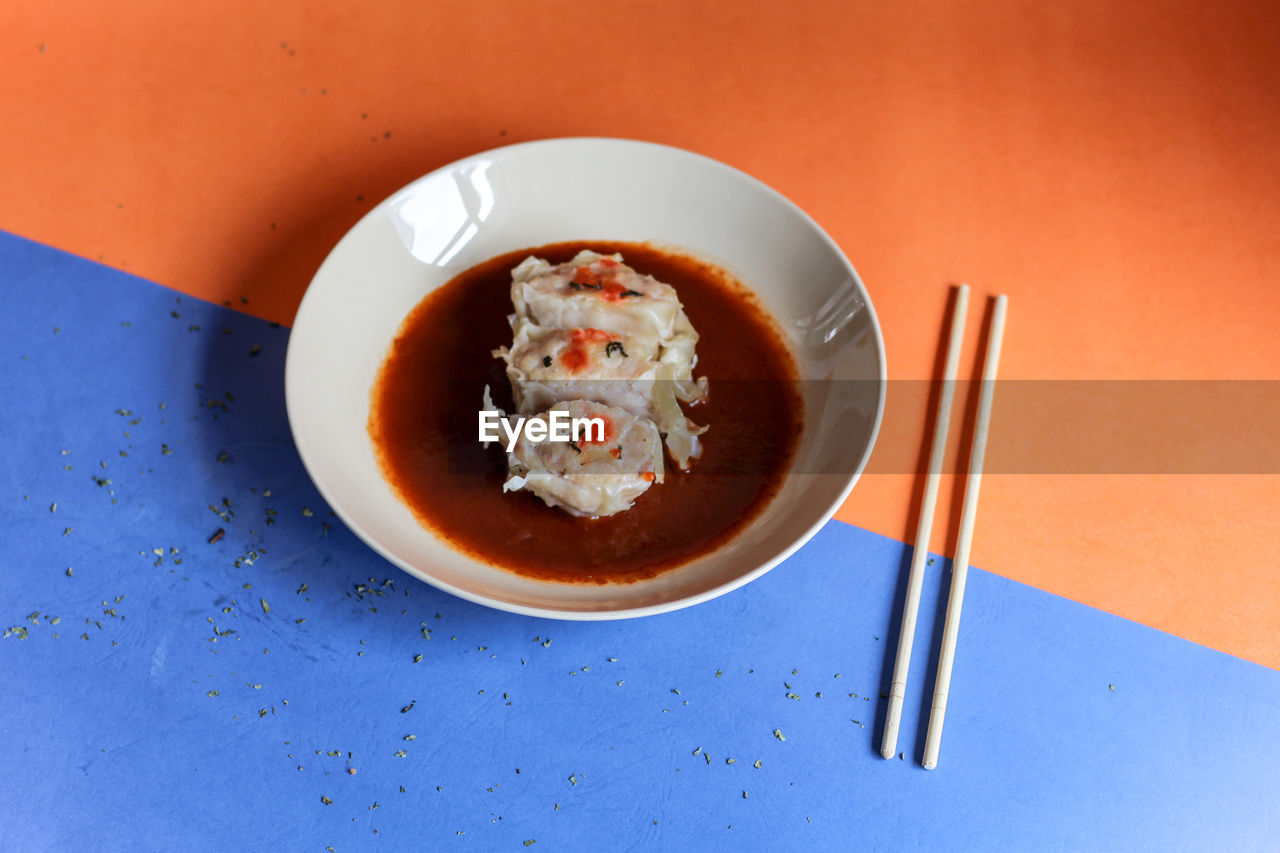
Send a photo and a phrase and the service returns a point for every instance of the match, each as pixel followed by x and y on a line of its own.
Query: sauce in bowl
pixel 423 424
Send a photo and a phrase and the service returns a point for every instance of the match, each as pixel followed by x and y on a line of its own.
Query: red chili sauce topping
pixel 577 356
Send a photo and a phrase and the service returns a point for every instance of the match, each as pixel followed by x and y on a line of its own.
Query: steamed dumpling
pixel 548 366
pixel 595 291
pixel 589 477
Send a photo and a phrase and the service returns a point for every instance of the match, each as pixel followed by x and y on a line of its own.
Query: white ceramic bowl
pixel 582 189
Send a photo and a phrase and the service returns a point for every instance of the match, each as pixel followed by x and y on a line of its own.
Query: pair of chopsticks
pixel 960 565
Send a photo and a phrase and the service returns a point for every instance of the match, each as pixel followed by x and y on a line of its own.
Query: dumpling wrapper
pixel 595 291
pixel 549 366
pixel 588 478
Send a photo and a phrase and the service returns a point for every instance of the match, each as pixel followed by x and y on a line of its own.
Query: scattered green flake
pixel 303 589
pixel 529 842
pixel 620 683
pixel 719 673
pixel 212 693
pixel 400 753
pixel 757 764
pixel 731 761
pixel 306 512
pixel 675 691
pixel 744 795
pixel 779 735
pixel 407 708
pixel 70 571
pixel 573 778
pixel 53 507
pixel 327 802
pixel 1111 687
pixel 417 658
pixel 697 751
pixel 66 531
pixel 410 737
pixel 792 696
pixel 262 712
pixel 266 608
pixel 402 790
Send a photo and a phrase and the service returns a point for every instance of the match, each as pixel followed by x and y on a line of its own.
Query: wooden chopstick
pixel 920 555
pixel 960 565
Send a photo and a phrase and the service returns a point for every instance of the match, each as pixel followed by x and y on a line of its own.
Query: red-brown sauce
pixel 423 424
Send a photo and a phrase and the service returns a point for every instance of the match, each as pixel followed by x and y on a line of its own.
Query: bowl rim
pixel 309 300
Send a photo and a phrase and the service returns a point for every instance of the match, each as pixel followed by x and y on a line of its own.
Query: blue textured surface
pixel 165 708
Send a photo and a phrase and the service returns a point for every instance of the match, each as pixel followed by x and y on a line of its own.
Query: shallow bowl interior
pixel 583 189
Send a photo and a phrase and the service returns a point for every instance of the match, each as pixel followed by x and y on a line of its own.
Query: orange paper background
pixel 1114 168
